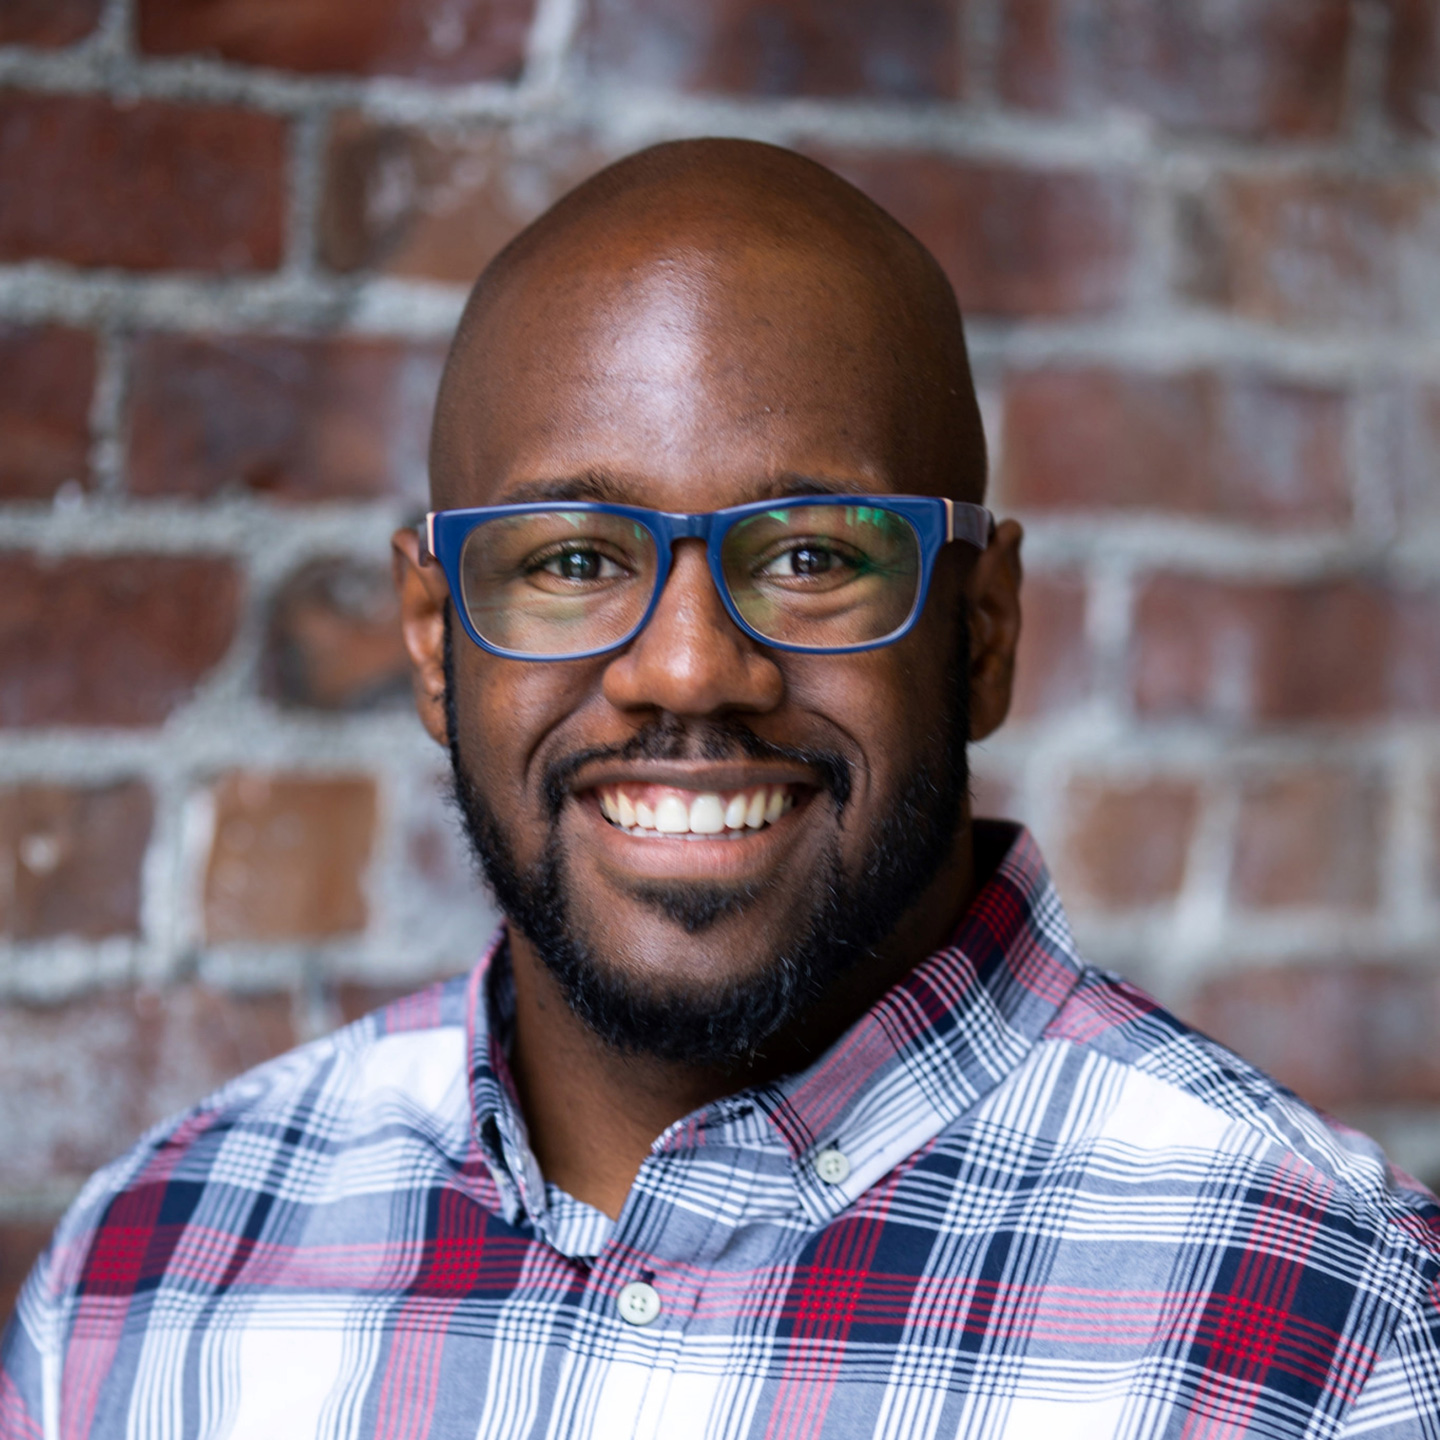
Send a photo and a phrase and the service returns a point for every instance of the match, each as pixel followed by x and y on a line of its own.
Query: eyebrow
pixel 605 488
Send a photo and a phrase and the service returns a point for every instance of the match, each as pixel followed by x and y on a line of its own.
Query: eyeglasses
pixel 827 574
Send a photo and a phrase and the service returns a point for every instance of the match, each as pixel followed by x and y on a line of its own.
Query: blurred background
pixel 1198 245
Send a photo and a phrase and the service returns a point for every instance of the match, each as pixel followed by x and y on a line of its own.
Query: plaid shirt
pixel 1016 1199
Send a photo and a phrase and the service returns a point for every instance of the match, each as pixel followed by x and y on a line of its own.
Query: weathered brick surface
pixel 426 39
pixel 297 419
pixel 438 205
pixel 1052 241
pixel 333 639
pixel 1126 843
pixel 80 1081
pixel 47 23
pixel 1314 249
pixel 1310 837
pixel 1409 460
pixel 288 857
pixel 47 377
pixel 1252 68
pixel 145 185
pixel 1412 74
pixel 1052 670
pixel 1342 650
pixel 20 1245
pixel 900 49
pixel 1228 446
pixel 110 640
pixel 70 859
pixel 1342 1036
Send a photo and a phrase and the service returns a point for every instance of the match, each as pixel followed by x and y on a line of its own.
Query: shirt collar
pixel 926 1052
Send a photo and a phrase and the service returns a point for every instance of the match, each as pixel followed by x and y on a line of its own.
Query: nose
pixel 691 659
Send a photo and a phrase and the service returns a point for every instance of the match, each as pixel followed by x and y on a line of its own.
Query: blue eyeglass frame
pixel 936 522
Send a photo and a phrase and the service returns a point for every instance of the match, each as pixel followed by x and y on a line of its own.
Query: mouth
pixel 670 812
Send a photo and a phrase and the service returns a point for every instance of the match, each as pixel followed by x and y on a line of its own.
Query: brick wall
pixel 1199 246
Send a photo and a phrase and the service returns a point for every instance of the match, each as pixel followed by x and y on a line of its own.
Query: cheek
pixel 505 710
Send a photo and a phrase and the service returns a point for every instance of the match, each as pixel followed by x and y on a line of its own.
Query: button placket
pixel 832 1166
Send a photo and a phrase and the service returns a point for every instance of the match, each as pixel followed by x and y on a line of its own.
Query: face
pixel 691 385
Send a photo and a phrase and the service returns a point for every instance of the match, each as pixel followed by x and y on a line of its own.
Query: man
pixel 783 1107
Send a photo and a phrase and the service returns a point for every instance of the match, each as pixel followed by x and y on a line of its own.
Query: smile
pixel 666 811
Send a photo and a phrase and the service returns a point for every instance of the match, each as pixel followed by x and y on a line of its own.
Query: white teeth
pixel 672 815
pixel 707 815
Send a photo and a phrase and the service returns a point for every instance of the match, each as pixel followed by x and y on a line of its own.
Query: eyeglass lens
pixel 564 582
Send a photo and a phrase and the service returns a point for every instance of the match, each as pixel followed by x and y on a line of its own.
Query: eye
pixel 808 559
pixel 578 564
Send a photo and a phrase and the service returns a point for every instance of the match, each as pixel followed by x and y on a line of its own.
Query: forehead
pixel 690 379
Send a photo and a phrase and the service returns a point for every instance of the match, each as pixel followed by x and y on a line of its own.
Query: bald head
pixel 714 274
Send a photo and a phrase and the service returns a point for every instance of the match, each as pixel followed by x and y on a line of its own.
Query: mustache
pixel 670 738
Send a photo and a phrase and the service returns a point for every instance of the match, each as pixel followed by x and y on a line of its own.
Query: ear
pixel 420 584
pixel 994 596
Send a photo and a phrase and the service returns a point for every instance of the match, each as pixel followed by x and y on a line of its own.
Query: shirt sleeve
pixel 28 1362
pixel 1401 1399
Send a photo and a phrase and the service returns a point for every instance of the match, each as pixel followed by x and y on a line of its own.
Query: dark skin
pixel 720 324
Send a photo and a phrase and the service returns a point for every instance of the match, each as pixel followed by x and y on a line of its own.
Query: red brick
pixel 20 1245
pixel 47 23
pixel 298 419
pixel 289 856
pixel 1313 249
pixel 355 1000
pixel 110 640
pixel 1234 447
pixel 1336 650
pixel 333 640
pixel 70 860
pixel 1250 67
pixel 439 206
pixel 898 49
pixel 142 186
pixel 47 375
pixel 79 1082
pixel 1311 837
pixel 1412 88
pixel 1052 669
pixel 1341 1036
pixel 1013 242
pixel 1126 844
pixel 424 39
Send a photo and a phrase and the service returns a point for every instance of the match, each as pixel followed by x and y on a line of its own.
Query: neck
pixel 593 1112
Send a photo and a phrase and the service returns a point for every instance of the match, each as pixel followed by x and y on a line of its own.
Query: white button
pixel 832 1166
pixel 638 1303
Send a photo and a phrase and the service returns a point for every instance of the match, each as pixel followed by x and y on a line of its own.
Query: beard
pixel 833 928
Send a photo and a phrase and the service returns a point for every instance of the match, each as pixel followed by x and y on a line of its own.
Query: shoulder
pixel 1167 1087
pixel 392 1082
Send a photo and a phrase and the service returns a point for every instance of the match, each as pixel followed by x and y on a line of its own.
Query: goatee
pixel 834 927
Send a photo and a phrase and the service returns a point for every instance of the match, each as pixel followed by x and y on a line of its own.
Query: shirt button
pixel 638 1303
pixel 832 1166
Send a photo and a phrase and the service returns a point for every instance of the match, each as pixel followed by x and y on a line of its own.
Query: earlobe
pixel 994 597
pixel 423 596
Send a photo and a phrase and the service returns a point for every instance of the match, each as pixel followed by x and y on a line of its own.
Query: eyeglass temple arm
pixel 425 532
pixel 968 522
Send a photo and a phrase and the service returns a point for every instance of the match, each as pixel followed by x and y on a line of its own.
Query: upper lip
pixel 699 775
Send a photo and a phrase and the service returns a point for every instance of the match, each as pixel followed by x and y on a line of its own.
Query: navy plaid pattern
pixel 1044 1209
